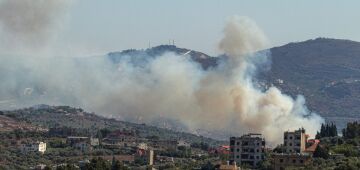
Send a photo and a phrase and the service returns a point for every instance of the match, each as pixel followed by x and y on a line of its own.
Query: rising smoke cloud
pixel 172 87
pixel 29 23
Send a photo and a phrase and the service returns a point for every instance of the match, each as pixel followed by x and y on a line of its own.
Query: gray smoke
pixel 29 23
pixel 172 87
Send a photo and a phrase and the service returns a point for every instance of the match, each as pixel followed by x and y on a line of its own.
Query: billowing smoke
pixel 28 23
pixel 167 87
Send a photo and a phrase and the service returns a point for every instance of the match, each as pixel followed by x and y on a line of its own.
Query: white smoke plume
pixel 174 87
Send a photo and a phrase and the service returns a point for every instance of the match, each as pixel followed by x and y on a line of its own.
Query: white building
pixel 150 158
pixel 33 147
pixel 295 142
pixel 183 143
pixel 94 141
pixel 247 149
pixel 142 146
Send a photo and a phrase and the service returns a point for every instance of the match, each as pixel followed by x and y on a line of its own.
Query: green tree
pixel 117 165
pixel 98 164
pixel 321 152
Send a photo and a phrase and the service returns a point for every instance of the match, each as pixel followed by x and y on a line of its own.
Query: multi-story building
pixel 121 138
pixel 295 142
pixel 247 149
pixel 33 147
pixel 295 153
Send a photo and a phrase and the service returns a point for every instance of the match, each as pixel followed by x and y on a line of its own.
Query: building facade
pixel 247 149
pixel 82 143
pixel 33 147
pixel 121 139
pixel 284 161
pixel 295 141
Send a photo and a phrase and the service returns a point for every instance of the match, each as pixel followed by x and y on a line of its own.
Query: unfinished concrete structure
pixel 247 149
pixel 295 141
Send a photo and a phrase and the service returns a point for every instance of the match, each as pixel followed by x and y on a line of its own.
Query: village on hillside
pixel 30 146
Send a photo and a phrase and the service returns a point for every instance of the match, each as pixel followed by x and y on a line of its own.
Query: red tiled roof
pixel 225 146
pixel 313 146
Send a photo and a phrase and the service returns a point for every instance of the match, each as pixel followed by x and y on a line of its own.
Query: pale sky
pixel 98 27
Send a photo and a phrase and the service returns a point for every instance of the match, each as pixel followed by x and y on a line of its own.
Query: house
pixel 120 138
pixel 40 167
pixel 297 150
pixel 82 143
pixel 220 150
pixel 183 143
pixel 285 160
pixel 33 147
pixel 143 146
pixel 295 141
pixel 311 144
pixel 248 149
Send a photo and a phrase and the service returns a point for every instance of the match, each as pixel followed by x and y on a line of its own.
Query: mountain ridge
pixel 325 71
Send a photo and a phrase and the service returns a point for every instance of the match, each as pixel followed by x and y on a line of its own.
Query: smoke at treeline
pixel 223 98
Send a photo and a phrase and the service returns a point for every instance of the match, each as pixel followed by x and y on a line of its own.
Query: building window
pixel 232 142
pixel 232 150
pixel 257 157
pixel 291 137
pixel 237 150
pixel 294 160
pixel 237 143
pixel 281 160
pixel 301 161
pixel 237 156
pixel 257 150
pixel 290 144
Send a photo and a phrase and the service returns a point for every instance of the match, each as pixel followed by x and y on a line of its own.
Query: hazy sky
pixel 97 27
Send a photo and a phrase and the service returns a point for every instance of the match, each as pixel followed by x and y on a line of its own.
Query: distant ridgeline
pixel 76 119
pixel 139 57
pixel 326 71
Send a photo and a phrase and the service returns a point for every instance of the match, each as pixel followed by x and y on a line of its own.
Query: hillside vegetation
pixel 325 71
pixel 65 116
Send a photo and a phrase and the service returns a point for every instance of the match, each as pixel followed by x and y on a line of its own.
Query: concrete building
pixel 143 146
pixel 287 160
pixel 295 142
pixel 247 149
pixel 150 156
pixel 82 143
pixel 33 147
pixel 183 143
pixel 121 139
